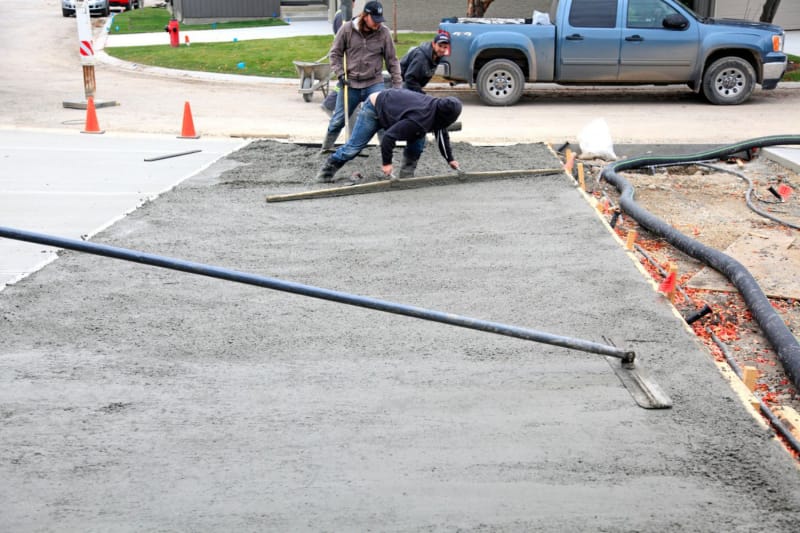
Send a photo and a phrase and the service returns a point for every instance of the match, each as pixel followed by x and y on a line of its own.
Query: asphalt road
pixel 134 398
pixel 43 70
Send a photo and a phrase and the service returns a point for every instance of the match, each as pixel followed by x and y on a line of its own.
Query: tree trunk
pixel 770 8
pixel 477 8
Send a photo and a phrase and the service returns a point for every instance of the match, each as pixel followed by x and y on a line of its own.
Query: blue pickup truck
pixel 614 42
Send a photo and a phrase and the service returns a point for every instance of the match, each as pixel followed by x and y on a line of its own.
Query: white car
pixel 96 7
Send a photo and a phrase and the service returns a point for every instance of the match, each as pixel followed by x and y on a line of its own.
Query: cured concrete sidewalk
pixel 76 185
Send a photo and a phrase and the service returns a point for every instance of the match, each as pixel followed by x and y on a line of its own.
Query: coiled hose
pixel 775 330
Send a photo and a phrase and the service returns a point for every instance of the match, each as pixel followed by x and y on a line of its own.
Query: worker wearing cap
pixel 404 116
pixel 419 65
pixel 364 45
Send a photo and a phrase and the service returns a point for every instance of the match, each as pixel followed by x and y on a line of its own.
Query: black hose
pixel 775 330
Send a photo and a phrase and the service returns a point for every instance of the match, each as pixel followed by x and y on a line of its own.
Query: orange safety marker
pixel 784 191
pixel 186 40
pixel 91 118
pixel 187 131
pixel 669 285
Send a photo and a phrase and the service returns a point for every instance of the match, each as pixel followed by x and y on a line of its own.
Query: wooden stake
pixel 749 377
pixel 569 156
pixel 630 240
pixel 581 180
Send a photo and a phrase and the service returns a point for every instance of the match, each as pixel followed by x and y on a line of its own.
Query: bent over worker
pixel 404 116
pixel 362 45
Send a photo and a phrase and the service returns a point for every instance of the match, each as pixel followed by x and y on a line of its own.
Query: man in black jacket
pixel 419 65
pixel 404 116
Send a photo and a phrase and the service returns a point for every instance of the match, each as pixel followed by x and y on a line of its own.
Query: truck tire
pixel 729 81
pixel 500 83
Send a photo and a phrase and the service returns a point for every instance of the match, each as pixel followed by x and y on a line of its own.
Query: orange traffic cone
pixel 188 124
pixel 91 119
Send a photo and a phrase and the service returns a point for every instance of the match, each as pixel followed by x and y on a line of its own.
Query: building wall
pixel 788 15
pixel 196 11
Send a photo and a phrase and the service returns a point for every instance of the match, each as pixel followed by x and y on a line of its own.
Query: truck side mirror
pixel 675 21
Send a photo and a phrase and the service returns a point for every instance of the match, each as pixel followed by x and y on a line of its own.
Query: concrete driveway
pixel 135 398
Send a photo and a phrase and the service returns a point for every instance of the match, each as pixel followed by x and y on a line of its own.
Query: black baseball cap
pixel 441 38
pixel 375 10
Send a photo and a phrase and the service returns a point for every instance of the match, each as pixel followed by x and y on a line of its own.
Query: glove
pixel 343 81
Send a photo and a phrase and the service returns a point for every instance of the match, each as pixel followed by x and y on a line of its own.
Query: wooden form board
pixel 412 183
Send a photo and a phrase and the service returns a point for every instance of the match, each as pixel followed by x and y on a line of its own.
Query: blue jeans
pixel 366 127
pixel 354 97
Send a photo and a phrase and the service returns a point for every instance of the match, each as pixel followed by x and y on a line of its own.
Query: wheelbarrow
pixel 314 76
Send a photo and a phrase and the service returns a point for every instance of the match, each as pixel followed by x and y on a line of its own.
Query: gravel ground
pixel 709 203
pixel 136 398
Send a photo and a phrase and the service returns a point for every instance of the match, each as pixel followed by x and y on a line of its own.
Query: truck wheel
pixel 500 83
pixel 729 81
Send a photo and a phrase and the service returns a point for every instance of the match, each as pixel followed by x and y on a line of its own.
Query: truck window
pixel 593 13
pixel 648 13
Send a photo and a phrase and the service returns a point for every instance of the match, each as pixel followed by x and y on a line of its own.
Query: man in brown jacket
pixel 364 45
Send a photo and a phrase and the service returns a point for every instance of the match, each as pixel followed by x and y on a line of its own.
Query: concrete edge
pixel 786 156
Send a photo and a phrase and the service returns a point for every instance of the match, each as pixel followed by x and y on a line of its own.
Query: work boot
pixel 328 170
pixel 408 167
pixel 328 142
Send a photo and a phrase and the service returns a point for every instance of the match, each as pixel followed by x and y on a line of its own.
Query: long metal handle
pixel 316 292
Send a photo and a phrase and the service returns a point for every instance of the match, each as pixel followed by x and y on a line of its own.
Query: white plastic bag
pixel 595 141
pixel 541 18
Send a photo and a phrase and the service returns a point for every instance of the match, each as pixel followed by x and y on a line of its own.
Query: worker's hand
pixel 343 80
pixel 454 165
pixel 387 170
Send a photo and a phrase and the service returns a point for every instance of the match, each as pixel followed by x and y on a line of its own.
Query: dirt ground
pixel 709 203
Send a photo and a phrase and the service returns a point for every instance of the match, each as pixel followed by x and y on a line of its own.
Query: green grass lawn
pixel 793 71
pixel 153 19
pixel 264 57
pixel 261 57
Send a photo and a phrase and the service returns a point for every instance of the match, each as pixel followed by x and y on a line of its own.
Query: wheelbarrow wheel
pixel 307 96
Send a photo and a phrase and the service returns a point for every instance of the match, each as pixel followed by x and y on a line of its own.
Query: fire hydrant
pixel 172 29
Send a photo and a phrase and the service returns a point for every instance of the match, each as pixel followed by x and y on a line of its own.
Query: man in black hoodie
pixel 404 116
pixel 419 65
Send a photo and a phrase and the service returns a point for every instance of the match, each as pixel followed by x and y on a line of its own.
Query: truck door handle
pixel 574 37
pixel 636 38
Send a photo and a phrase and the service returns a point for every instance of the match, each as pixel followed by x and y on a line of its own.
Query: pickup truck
pixel 614 42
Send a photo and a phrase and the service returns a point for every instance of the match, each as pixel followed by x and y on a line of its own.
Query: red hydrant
pixel 172 29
